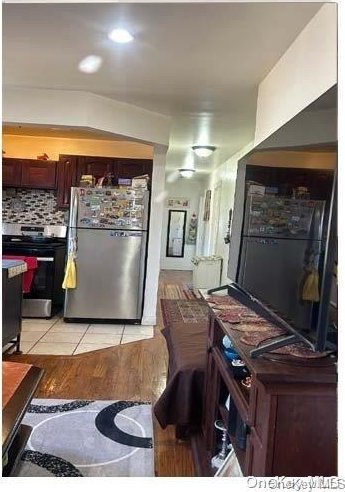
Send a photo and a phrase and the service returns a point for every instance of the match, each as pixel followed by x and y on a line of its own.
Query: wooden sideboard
pixel 285 424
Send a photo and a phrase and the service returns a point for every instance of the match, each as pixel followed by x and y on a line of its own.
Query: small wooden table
pixel 19 383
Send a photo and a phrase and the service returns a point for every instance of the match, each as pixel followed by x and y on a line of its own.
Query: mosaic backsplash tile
pixel 30 206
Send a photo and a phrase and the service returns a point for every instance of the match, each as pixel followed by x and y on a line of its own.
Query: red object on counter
pixel 28 276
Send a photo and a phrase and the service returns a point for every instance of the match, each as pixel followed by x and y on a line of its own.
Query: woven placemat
pixel 184 311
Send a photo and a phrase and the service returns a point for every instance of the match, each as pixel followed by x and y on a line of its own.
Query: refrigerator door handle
pixel 316 223
pixel 73 208
pixel 320 212
pixel 72 242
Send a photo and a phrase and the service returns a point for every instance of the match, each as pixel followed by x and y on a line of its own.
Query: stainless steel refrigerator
pixel 281 240
pixel 108 230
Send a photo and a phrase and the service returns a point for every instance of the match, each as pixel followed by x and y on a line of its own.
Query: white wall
pixel 29 147
pixel 306 70
pixel 226 175
pixel 192 189
pixel 307 128
pixel 155 231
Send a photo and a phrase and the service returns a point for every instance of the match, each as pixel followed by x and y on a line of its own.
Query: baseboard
pixel 149 320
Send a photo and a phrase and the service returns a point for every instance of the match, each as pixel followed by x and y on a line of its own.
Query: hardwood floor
pixel 135 371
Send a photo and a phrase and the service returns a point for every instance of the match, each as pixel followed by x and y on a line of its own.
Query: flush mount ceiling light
pixel 186 173
pixel 90 64
pixel 203 150
pixel 120 36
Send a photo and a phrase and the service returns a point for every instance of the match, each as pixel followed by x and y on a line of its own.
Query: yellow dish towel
pixel 310 290
pixel 70 280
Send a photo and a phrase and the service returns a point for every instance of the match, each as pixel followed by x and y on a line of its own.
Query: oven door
pixel 42 283
pixel 38 302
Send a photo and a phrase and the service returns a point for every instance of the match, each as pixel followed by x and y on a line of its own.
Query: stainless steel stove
pixel 48 245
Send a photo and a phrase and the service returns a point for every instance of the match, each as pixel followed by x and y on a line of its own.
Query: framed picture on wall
pixel 207 206
pixel 178 203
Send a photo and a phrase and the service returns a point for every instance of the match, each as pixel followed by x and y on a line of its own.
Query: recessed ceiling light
pixel 203 150
pixel 90 64
pixel 186 173
pixel 120 36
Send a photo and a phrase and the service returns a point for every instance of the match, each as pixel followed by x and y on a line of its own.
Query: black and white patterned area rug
pixel 88 438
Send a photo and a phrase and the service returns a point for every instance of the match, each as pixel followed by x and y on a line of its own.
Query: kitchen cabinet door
pixel 39 174
pixel 11 171
pixel 66 178
pixel 129 168
pixel 96 166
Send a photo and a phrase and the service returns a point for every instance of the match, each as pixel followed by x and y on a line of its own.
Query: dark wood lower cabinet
pixel 284 425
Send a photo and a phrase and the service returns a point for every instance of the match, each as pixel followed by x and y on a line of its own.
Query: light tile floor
pixel 55 337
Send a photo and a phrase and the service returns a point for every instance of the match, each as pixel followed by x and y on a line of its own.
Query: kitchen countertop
pixel 14 267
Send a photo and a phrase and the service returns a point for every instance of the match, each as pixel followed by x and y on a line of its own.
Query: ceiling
pixel 198 63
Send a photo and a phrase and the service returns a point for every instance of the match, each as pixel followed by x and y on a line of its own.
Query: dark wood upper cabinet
pixel 66 178
pixel 62 175
pixel 96 166
pixel 318 181
pixel 39 174
pixel 11 171
pixel 120 167
pixel 29 173
pixel 71 168
pixel 129 168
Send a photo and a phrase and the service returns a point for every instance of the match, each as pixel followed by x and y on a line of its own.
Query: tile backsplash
pixel 31 206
